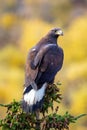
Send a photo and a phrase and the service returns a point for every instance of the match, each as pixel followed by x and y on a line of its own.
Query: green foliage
pixel 16 119
pixel 52 95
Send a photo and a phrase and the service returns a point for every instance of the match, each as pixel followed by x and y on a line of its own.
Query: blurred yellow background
pixel 22 24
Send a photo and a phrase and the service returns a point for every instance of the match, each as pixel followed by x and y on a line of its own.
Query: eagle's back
pixel 53 60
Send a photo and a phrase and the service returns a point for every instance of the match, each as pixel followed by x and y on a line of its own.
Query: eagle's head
pixel 55 32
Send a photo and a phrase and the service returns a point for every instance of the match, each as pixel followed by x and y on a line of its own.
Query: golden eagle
pixel 43 62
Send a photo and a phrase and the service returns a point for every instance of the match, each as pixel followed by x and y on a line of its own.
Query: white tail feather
pixel 34 96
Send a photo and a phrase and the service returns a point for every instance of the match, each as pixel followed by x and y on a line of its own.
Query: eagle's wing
pixel 30 74
pixel 34 62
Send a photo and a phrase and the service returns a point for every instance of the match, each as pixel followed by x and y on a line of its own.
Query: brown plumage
pixel 43 62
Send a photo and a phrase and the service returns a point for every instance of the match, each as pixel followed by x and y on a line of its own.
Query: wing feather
pixel 34 64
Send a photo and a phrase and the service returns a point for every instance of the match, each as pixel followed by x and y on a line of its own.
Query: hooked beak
pixel 59 32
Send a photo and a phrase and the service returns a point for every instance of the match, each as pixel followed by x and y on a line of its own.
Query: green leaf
pixel 82 115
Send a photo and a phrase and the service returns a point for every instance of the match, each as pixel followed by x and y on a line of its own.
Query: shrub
pixel 17 119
